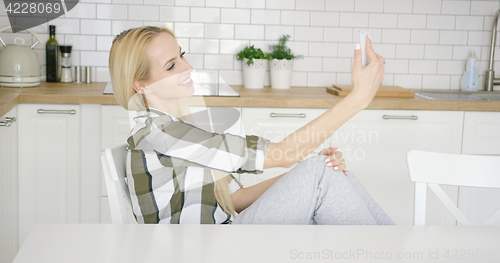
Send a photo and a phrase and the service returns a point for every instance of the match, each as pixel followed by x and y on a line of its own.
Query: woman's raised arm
pixel 365 80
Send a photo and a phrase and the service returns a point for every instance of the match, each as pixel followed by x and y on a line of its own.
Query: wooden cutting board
pixel 382 92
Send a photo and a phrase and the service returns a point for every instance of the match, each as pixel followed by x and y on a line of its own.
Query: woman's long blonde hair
pixel 128 62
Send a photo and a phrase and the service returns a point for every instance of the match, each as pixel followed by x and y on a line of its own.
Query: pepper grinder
pixel 66 64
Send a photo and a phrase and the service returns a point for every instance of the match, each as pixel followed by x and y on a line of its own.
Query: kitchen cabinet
pixel 49 165
pixel 275 124
pixel 481 136
pixel 375 143
pixel 8 186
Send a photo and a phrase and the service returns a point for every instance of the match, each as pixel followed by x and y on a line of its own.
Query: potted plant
pixel 281 66
pixel 254 64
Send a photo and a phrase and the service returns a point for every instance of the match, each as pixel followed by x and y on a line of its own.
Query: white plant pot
pixel 281 73
pixel 253 75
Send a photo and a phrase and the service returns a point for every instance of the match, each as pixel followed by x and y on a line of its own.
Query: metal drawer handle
pixel 292 115
pixel 396 117
pixel 42 111
pixel 7 122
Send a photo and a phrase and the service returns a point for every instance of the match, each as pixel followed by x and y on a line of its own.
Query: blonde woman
pixel 179 172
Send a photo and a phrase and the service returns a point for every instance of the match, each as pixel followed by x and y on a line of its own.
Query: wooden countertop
pixel 296 97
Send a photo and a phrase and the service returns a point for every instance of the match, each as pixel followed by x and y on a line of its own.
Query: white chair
pixel 431 169
pixel 114 166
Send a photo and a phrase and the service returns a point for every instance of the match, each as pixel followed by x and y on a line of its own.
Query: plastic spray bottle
pixel 470 78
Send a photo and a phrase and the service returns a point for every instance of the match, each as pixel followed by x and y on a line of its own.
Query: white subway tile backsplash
pixel 265 17
pixel 204 46
pixel 95 27
pixel 450 67
pixel 112 11
pixel 235 16
pixel 426 7
pixel 436 82
pixel 249 32
pixel 218 62
pixel 455 7
pixel 410 51
pixel 318 49
pixel 251 4
pixel 94 58
pixel 316 5
pixel 337 64
pixel 82 10
pixel 423 66
pixel 412 21
pixel 425 36
pixel 337 34
pixel 440 22
pixel 220 3
pixel 383 21
pixel 438 52
pixel 80 42
pixel 385 50
pixel 340 5
pixel 143 12
pixel 369 6
pixel 104 42
pixel 307 64
pixel 231 77
pixel 425 42
pixel 469 23
pixel 408 81
pixel 275 32
pixel 325 18
pixel 208 15
pixel 174 13
pixel 189 29
pixel 67 26
pixel 484 8
pixel 232 46
pixel 397 36
pixel 396 66
pixel 222 31
pixel 321 79
pixel 299 79
pixel 309 33
pixel 189 3
pixel 453 37
pixel 280 4
pixel 119 26
pixel 205 76
pixel 159 2
pixel 463 52
pixel 295 18
pixel 398 6
pixel 353 19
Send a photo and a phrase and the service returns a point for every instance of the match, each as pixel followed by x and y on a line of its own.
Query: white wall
pixel 425 42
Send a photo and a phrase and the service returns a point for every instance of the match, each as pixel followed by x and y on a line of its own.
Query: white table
pixel 249 243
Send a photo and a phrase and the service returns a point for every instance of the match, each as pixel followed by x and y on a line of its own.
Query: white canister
pixel 281 73
pixel 253 75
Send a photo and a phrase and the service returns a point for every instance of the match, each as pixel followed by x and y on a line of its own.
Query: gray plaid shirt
pixel 170 164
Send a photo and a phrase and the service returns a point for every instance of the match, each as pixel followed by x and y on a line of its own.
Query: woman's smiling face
pixel 170 73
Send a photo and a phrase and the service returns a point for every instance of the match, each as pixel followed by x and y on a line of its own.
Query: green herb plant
pixel 281 51
pixel 251 53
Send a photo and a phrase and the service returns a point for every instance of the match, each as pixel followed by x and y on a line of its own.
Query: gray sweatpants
pixel 313 193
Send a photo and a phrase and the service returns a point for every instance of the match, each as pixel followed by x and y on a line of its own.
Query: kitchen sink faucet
pixel 489 79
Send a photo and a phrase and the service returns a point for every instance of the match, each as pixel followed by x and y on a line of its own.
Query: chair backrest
pixel 432 168
pixel 114 166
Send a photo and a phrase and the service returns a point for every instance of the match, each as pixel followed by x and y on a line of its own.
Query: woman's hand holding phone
pixel 366 79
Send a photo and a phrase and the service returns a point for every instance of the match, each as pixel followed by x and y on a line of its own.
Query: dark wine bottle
pixel 52 56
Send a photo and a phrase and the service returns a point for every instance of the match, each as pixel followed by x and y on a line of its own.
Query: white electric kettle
pixel 19 65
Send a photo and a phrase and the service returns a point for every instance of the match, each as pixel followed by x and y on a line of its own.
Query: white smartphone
pixel 362 42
